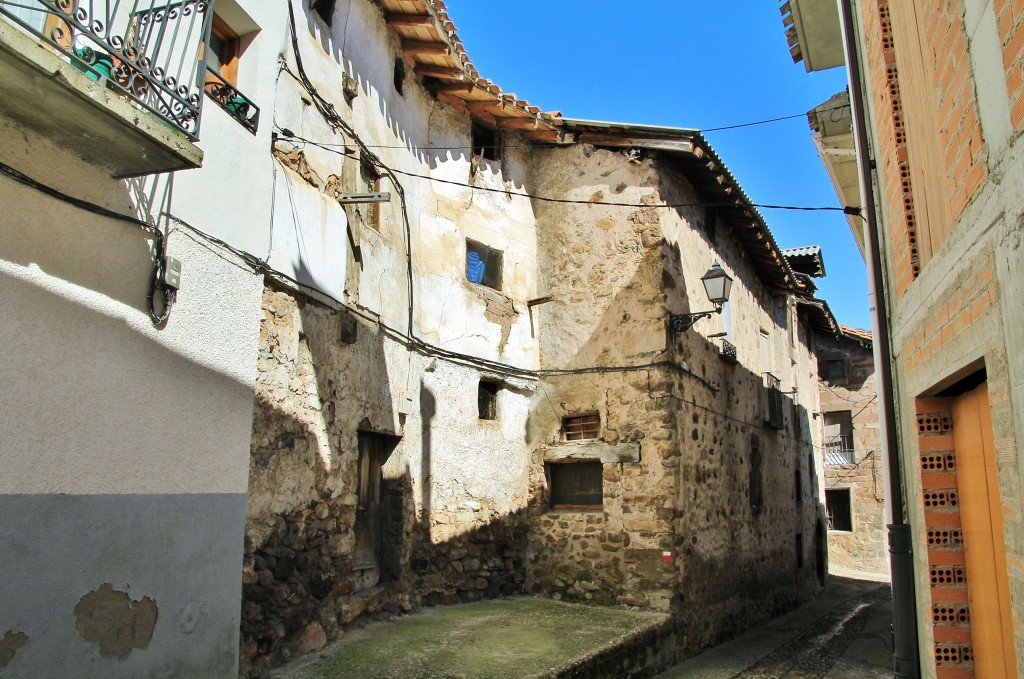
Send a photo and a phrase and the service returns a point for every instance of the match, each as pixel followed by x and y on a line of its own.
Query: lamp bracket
pixel 683 322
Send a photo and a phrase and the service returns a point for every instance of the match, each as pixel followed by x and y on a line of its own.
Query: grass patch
pixel 506 639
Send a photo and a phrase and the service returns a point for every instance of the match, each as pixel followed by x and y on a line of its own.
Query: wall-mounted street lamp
pixel 717 284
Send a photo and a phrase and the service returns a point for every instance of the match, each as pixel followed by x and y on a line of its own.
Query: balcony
pixel 728 352
pixel 839 451
pixel 118 83
pixel 773 402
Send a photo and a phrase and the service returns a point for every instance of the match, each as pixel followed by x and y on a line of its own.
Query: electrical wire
pixel 464 147
pixel 157 288
pixel 288 134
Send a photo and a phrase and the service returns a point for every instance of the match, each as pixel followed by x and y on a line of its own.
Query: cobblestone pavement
pixel 845 633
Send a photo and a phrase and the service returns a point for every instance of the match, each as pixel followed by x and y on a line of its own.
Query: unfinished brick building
pixel 937 111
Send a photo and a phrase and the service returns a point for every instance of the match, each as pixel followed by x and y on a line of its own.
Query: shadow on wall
pixel 729 540
pixel 333 531
pixel 401 112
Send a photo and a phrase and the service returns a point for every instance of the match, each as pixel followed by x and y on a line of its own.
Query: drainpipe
pixel 901 560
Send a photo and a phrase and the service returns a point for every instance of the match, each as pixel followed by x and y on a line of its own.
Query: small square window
pixel 323 8
pixel 837 508
pixel 487 400
pixel 486 142
pixel 579 427
pixel 576 485
pixel 833 369
pixel 483 264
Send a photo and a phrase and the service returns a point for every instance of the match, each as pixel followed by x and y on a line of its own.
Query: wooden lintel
pixel 424 70
pixel 409 19
pixel 422 47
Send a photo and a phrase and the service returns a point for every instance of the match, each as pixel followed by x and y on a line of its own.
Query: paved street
pixel 843 634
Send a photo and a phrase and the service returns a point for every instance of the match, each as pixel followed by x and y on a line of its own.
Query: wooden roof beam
pixel 424 70
pixel 396 19
pixel 422 47
pixel 517 123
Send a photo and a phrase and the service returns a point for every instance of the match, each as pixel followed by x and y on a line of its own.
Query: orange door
pixel 984 547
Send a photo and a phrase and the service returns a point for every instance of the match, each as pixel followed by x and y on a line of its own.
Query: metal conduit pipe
pixel 905 641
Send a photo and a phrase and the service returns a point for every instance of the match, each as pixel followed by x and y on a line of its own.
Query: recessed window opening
pixel 798 487
pixel 837 509
pixel 324 8
pixel 369 180
pixel 581 427
pixel 399 75
pixel 487 400
pixel 576 485
pixel 486 142
pixel 833 369
pixel 483 264
pixel 754 481
pixel 223 55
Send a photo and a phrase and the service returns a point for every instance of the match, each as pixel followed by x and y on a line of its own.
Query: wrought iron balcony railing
pixel 839 451
pixel 237 105
pixel 148 51
pixel 773 402
pixel 728 352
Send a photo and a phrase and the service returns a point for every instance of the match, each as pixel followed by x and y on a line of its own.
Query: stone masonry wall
pixel 459 541
pixel 865 547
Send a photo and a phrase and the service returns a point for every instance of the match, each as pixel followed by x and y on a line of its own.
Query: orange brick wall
pixel 1010 20
pixel 975 294
pixel 891 154
pixel 931 164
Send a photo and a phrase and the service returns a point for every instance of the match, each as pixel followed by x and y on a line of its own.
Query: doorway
pixel 377 512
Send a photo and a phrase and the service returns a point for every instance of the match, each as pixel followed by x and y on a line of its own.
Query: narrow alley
pixel 845 633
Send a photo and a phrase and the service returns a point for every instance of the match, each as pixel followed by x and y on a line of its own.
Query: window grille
pixel 579 427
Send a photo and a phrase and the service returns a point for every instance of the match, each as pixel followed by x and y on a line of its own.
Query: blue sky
pixel 683 64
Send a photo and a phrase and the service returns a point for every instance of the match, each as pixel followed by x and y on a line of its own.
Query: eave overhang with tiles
pixel 426 36
pixel 427 39
pixel 818 315
pixel 806 260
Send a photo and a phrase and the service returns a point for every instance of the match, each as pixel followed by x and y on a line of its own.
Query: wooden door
pixel 984 546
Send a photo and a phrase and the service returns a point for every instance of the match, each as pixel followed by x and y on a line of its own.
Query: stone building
pixel 477 393
pixel 395 338
pixel 854 473
pixel 937 114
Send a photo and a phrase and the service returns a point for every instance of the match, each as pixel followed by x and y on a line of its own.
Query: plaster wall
pixel 125 446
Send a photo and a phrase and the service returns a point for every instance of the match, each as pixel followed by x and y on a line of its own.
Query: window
pixel 486 142
pixel 223 55
pixel 837 509
pixel 838 437
pixel 483 264
pixel 580 427
pixel 798 487
pixel 369 181
pixel 324 8
pixel 756 492
pixel 399 75
pixel 576 485
pixel 832 369
pixel 487 400
pixel 766 352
